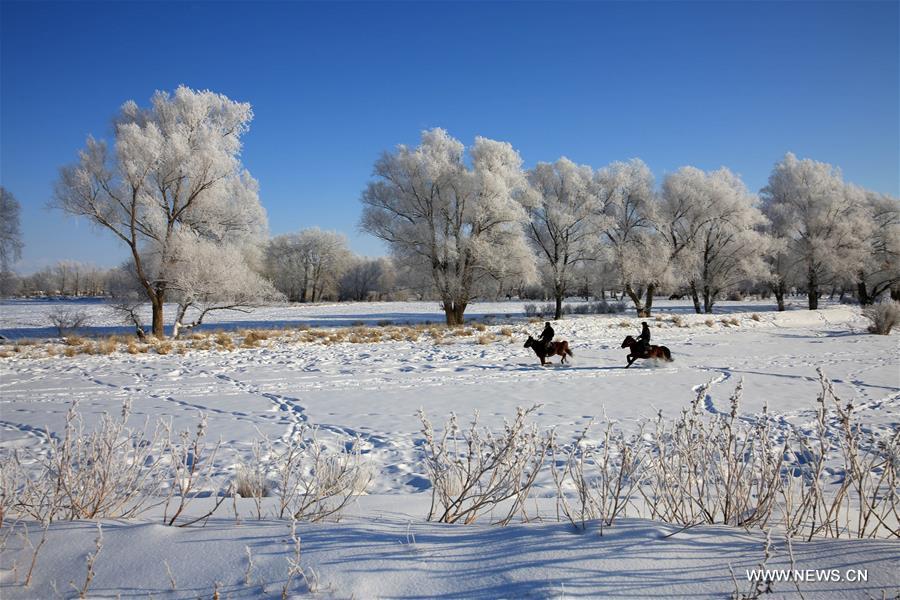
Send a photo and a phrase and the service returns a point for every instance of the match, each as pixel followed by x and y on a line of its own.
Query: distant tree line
pixel 469 223
pixel 461 224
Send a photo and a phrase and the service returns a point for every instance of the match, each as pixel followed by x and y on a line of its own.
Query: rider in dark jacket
pixel 643 344
pixel 546 336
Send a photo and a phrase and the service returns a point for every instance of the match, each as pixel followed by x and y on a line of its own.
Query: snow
pixel 384 548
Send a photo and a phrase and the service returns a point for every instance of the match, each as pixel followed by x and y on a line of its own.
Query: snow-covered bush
pixel 865 500
pixel 67 321
pixel 314 483
pixel 108 472
pixel 475 471
pixel 712 468
pixel 884 316
pixel 604 476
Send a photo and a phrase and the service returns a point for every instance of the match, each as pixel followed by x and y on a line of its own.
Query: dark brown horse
pixel 558 349
pixel 649 352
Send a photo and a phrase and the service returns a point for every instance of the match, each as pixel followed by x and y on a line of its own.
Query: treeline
pixel 466 219
pixel 461 224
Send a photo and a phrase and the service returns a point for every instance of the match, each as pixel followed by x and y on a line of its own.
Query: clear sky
pixel 333 84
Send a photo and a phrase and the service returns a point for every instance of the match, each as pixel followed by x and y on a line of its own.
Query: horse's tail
pixel 568 351
pixel 667 353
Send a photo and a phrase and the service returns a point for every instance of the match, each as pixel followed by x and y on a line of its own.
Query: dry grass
pixel 224 341
pixel 479 327
pixel 709 322
pixel 487 338
pixel 506 331
pixel 252 339
pixel 163 347
pixel 755 317
pixel 624 324
pixel 677 321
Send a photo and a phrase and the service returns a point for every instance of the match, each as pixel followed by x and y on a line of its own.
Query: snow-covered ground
pixel 373 390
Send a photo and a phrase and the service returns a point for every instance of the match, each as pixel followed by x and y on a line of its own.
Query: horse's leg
pixel 630 359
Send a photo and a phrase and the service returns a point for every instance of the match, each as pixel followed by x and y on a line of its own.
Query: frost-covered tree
pixel 880 271
pixel 307 266
pixel 458 223
pixel 10 232
pixel 632 244
pixel 713 225
pixel 175 167
pixel 197 284
pixel 820 221
pixel 564 215
pixel 366 278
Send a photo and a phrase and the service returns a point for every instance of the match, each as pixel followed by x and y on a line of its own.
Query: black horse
pixel 556 349
pixel 649 351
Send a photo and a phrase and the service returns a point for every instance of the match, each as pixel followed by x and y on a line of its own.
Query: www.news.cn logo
pixel 807 575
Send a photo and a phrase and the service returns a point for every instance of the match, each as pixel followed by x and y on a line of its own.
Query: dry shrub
pixel 755 317
pixel 506 331
pixel 605 475
pixel 486 339
pixel 475 471
pixel 224 341
pixel 163 347
pixel 132 347
pixel 883 316
pixel 709 322
pixel 5 353
pixel 677 320
pixel 107 346
pixel 624 324
pixel 250 483
pixel 479 327
pixel 107 471
pixel 74 340
pixel 201 344
pixel 70 351
pixel 67 321
pixel 251 340
pixel 52 350
pixel 314 483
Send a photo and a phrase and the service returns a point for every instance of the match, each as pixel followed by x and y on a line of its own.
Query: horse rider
pixel 546 337
pixel 643 341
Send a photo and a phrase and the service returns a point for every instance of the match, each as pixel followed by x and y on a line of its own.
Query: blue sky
pixel 333 84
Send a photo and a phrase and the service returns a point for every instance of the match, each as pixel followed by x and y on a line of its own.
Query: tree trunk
pixel 695 297
pixel 709 298
pixel 648 302
pixel 558 307
pixel 778 290
pixel 812 291
pixel 636 300
pixel 453 311
pixel 862 292
pixel 158 324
